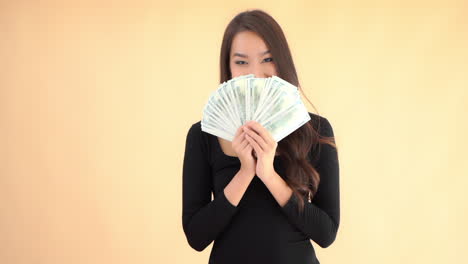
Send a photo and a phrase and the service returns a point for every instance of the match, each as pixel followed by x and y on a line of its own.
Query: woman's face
pixel 250 54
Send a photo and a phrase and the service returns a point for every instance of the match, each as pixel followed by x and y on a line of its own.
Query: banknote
pixel 273 102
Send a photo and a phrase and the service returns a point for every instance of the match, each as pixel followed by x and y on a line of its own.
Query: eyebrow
pixel 245 56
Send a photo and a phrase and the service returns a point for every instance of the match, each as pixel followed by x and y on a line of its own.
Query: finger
pixel 261 142
pixel 255 145
pixel 261 130
pixel 248 148
pixel 243 143
pixel 239 130
pixel 238 133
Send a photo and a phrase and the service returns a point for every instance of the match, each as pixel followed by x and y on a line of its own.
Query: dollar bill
pixel 273 102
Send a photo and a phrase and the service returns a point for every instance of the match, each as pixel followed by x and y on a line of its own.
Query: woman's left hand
pixel 264 146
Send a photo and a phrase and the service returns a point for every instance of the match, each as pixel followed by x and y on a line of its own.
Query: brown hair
pixel 294 149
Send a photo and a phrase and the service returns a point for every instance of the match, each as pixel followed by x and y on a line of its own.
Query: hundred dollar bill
pixel 284 98
pixel 271 91
pixel 232 101
pixel 272 102
pixel 216 106
pixel 224 92
pixel 239 87
pixel 264 95
pixel 287 122
pixel 222 133
pixel 257 87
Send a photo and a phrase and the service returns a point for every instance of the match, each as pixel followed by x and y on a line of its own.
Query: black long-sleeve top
pixel 258 229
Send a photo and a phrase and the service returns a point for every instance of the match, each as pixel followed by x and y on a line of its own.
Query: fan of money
pixel 273 102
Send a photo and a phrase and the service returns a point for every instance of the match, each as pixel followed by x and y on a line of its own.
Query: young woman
pixel 270 198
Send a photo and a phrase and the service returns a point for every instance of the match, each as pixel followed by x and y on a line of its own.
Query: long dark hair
pixel 294 149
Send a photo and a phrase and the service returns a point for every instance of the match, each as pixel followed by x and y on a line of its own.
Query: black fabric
pixel 258 229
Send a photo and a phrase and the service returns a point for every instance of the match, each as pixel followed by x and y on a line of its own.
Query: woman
pixel 270 198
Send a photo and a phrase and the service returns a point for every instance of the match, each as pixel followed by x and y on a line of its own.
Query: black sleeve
pixel 202 218
pixel 321 217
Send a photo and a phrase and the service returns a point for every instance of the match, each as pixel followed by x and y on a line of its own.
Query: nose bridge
pixel 258 70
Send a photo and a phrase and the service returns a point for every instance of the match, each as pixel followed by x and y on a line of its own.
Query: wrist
pixel 247 172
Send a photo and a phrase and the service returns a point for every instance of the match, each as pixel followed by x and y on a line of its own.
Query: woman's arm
pixel 202 218
pixel 320 219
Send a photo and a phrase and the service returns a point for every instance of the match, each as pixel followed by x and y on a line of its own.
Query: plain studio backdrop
pixel 96 98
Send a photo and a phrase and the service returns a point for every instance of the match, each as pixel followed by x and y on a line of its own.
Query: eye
pixel 240 62
pixel 268 59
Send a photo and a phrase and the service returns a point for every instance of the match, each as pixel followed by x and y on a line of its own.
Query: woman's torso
pixel 259 232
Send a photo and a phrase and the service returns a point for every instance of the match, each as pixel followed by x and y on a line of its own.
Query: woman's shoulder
pixel 321 124
pixel 316 117
pixel 196 125
pixel 195 130
pixel 197 137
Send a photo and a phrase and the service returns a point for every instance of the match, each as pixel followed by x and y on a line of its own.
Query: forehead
pixel 248 42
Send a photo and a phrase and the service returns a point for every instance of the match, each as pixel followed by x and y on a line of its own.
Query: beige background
pixel 96 98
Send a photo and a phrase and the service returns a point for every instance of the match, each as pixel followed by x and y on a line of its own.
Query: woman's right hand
pixel 243 149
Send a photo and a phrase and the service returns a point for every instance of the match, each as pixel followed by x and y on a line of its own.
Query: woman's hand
pixel 264 146
pixel 243 150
